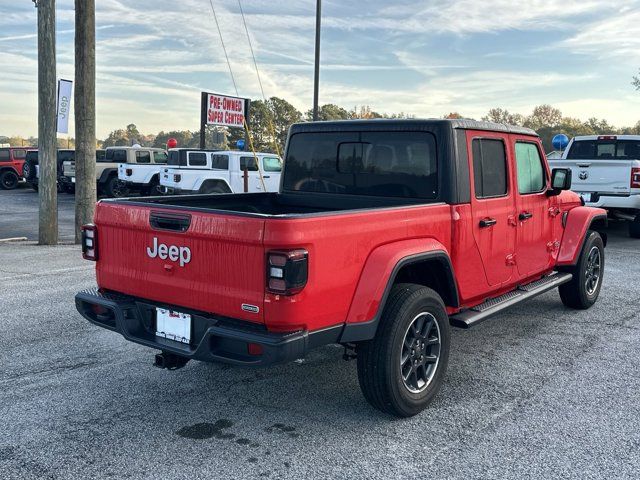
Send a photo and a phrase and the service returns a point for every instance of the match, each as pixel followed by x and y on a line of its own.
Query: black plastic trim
pixel 363 331
pixel 213 337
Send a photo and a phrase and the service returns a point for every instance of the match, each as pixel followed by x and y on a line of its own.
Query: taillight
pixel 90 242
pixel 606 138
pixel 635 178
pixel 287 271
pixel 177 178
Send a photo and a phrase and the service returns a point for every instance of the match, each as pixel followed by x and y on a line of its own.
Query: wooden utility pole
pixel 47 123
pixel 316 71
pixel 85 113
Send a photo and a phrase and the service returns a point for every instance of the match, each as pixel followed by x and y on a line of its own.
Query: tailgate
pixel 215 265
pixel 602 176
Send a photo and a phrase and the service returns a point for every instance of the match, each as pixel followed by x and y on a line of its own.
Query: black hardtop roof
pixel 413 124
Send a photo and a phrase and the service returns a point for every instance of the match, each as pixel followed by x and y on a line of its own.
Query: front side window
pixel 220 162
pixel 160 157
pixel 385 164
pixel 271 164
pixel 489 168
pixel 143 157
pixel 531 178
pixel 197 159
pixel 248 163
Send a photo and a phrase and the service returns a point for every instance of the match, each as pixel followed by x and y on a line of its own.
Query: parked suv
pixel 32 169
pixel 11 165
pixel 143 176
pixel 208 171
pixel 107 168
pixel 383 234
pixel 606 174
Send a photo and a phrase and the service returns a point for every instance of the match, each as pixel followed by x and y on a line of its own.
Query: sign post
pixel 222 110
pixel 64 105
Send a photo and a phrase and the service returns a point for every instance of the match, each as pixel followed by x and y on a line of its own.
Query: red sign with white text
pixel 225 111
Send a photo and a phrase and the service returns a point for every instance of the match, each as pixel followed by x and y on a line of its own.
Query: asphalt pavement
pixel 538 392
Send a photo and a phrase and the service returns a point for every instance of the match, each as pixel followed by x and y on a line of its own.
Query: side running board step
pixel 479 313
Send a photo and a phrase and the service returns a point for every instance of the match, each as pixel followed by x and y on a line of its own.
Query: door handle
pixel 525 216
pixel 487 222
pixel 266 176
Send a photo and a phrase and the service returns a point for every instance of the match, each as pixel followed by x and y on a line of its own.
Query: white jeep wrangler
pixel 192 171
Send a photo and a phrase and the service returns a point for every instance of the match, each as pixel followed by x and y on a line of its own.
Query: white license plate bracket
pixel 173 325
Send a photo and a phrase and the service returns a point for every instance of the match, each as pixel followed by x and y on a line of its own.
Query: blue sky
pixel 426 58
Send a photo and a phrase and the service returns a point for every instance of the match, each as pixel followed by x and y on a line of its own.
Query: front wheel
pixel 8 180
pixel 402 369
pixel 584 288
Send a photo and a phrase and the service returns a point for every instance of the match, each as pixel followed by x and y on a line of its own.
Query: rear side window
pixel 385 164
pixel 143 157
pixel 489 168
pixel 582 149
pixel 197 159
pixel 116 156
pixel 271 164
pixel 5 156
pixel 530 170
pixel 19 154
pixel 160 157
pixel 220 162
pixel 248 163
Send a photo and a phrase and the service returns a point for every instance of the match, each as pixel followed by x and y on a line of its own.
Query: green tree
pixel 499 115
pixel 544 116
pixel 329 112
pixel 185 138
pixel 270 122
pixel 636 81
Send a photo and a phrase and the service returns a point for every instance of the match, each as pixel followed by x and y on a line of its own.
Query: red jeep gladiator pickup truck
pixel 384 233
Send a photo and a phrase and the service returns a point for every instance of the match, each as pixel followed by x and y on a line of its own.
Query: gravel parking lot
pixel 539 392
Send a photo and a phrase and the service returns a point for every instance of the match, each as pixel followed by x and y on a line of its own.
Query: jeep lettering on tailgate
pixel 173 252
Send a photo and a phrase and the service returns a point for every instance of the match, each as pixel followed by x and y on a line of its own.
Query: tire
pixel 152 188
pixel 115 188
pixel 634 227
pixel 29 171
pixel 213 189
pixel 380 369
pixel 584 288
pixel 9 180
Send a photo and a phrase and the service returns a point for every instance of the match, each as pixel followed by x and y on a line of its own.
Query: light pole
pixel 316 76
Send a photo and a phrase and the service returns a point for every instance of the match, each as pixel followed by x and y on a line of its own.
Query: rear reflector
pixel 635 178
pixel 287 271
pixel 254 349
pixel 90 242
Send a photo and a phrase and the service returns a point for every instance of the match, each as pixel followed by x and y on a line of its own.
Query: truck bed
pixel 272 204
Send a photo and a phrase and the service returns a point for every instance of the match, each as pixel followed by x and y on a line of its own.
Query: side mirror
pixel 560 180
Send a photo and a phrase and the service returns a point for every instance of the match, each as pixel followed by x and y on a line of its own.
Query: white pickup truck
pixel 143 177
pixel 192 171
pixel 606 174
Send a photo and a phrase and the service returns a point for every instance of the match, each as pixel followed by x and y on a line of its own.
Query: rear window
pixel 64 155
pixel 143 157
pixel 220 162
pixel 197 159
pixel 116 156
pixel 388 164
pixel 248 163
pixel 605 149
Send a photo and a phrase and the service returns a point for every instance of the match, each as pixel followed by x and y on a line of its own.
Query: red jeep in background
pixel 11 163
pixel 384 233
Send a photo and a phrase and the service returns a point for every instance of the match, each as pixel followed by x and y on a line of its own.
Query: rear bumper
pixel 176 191
pixel 213 339
pixel 613 202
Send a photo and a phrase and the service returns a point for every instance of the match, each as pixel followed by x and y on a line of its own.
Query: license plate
pixel 172 325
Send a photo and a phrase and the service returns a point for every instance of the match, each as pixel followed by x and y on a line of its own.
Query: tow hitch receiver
pixel 170 361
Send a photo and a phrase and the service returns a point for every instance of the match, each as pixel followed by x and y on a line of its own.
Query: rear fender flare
pixel 213 181
pixel 106 173
pixel 578 221
pixel 378 277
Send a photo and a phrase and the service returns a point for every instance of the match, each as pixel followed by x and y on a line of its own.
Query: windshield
pixel 388 164
pixel 605 150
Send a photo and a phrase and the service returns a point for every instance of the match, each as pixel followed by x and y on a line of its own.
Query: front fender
pixel 578 221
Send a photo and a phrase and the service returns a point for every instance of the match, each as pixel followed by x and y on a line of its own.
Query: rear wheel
pixel 153 188
pixel 116 188
pixel 584 288
pixel 634 227
pixel 8 180
pixel 402 369
pixel 213 189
